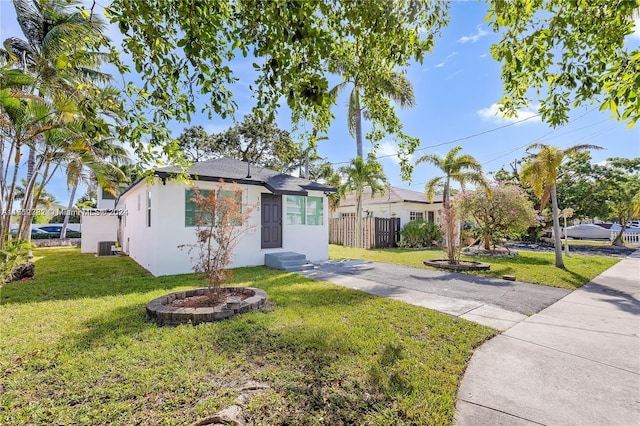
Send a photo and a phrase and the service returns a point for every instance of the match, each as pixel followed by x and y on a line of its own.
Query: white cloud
pixel 636 20
pixel 474 37
pixel 484 55
pixel 446 60
pixel 454 74
pixel 389 150
pixel 493 113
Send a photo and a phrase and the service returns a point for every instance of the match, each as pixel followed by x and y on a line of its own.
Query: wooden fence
pixel 377 232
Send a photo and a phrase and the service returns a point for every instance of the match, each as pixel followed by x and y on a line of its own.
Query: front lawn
pixel 532 267
pixel 76 348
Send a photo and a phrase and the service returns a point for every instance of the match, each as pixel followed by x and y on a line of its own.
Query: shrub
pixel 419 234
pixel 13 254
pixel 74 217
pixel 48 235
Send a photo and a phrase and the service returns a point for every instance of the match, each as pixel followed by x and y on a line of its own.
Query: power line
pixel 454 140
pixel 545 136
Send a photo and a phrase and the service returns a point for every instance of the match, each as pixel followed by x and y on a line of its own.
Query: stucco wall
pixel 401 210
pixel 156 248
pixel 104 204
pixel 97 226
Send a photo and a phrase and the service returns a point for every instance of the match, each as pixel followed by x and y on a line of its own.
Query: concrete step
pixel 287 261
pixel 298 268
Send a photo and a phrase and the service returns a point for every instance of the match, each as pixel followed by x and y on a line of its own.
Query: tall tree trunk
pixel 557 243
pixel 359 133
pixel 3 187
pixel 6 228
pixel 67 214
pixel 27 205
pixel 358 218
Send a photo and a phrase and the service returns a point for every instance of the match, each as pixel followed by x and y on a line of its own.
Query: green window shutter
pixel 315 211
pixel 295 210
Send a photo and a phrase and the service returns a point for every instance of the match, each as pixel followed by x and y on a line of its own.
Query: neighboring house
pixel 288 214
pixel 101 223
pixel 395 202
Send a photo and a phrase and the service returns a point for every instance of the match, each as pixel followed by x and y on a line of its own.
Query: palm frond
pixel 431 186
pixel 399 89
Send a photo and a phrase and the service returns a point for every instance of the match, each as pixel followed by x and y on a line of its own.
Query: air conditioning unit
pixel 104 248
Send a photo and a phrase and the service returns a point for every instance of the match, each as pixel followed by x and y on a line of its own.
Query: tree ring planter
pixel 243 299
pixel 464 265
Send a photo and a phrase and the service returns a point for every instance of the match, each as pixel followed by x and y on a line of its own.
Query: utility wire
pixel 475 135
pixel 545 136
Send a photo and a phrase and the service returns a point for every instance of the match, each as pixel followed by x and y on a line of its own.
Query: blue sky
pixel 457 88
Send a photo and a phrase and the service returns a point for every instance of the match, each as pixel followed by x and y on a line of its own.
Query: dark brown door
pixel 271 207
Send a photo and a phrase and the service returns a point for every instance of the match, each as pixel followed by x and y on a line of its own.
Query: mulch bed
pixel 203 301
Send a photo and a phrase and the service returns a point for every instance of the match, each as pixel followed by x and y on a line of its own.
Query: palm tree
pixel 396 87
pixel 45 199
pixel 461 168
pixel 98 160
pixel 541 171
pixel 358 175
pixel 57 51
pixel 23 118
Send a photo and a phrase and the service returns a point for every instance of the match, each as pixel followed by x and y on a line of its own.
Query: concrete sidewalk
pixel 576 362
pixel 494 302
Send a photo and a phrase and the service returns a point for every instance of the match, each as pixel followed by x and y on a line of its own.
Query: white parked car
pixel 633 224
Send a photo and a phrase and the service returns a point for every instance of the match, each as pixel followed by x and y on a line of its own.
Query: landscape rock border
pixel 161 311
pixel 464 265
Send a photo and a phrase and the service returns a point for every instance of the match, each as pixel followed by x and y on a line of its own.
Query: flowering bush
pixel 503 211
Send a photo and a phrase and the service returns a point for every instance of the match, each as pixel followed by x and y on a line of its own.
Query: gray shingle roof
pixel 237 171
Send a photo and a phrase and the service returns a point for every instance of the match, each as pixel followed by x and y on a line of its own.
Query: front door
pixel 271 207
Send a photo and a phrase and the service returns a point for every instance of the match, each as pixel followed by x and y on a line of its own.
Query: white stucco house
pixel 156 215
pixel 395 202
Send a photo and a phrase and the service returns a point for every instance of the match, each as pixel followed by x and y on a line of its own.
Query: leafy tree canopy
pixel 569 52
pixel 260 141
pixel 293 46
pixel 194 142
pixel 577 183
pixel 504 211
pixel 254 139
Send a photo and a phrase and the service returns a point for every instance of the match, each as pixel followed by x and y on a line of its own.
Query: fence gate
pixel 377 232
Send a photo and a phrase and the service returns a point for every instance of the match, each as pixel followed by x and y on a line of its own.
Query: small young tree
pixel 450 228
pixel 220 224
pixel 504 211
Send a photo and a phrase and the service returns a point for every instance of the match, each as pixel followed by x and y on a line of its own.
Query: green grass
pixel 76 348
pixel 532 267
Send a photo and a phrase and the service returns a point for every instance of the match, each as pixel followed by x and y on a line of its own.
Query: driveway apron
pixel 494 302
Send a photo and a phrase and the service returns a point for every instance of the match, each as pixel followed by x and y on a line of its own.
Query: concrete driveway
pixel 494 302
